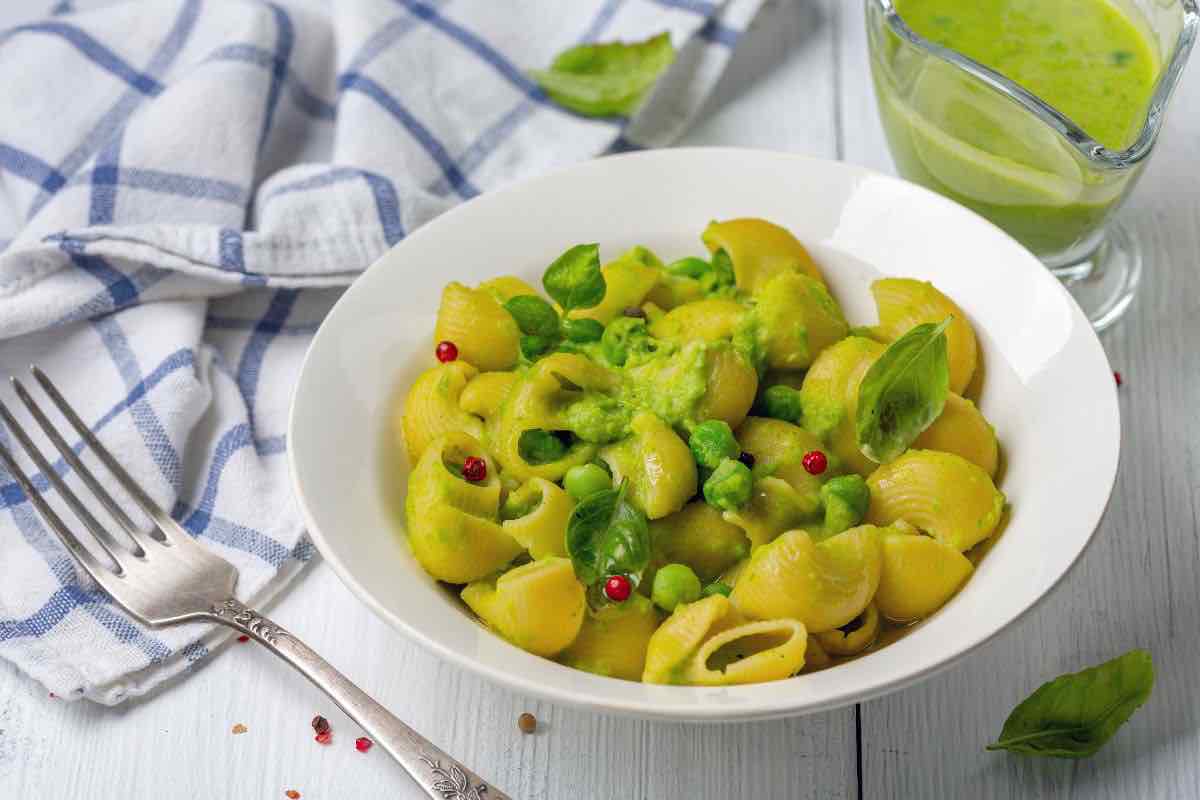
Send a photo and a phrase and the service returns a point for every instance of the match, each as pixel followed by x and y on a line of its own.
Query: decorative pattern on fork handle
pixel 250 620
pixel 454 784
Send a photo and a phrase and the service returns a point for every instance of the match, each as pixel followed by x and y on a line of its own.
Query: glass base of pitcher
pixel 1105 282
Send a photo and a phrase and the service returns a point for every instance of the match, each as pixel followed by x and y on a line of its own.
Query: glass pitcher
pixel 972 134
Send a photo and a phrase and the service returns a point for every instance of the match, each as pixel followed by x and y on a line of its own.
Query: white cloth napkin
pixel 183 186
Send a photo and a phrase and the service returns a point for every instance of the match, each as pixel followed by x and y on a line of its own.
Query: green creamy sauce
pixel 670 383
pixel 1085 58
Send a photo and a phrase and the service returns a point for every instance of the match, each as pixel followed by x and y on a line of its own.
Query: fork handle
pixel 439 775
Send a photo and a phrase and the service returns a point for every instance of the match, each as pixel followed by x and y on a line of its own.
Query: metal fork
pixel 165 578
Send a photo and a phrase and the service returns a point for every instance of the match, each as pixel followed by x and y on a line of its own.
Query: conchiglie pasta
pixel 778 448
pixel 824 585
pixel 759 250
pixel 682 633
pixel 485 393
pixel 943 494
pixel 919 575
pixel 674 290
pixel 699 537
pixel 539 606
pixel 709 320
pixel 774 507
pixel 542 531
pixel 628 280
pixel 538 402
pixel 506 287
pixel 452 524
pixel 432 407
pixel 614 638
pixel 485 334
pixel 854 637
pixel 904 303
pixel 799 318
pixel 963 430
pixel 829 397
pixel 658 465
pixel 730 386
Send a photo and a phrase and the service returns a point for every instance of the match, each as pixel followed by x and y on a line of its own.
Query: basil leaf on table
pixel 1073 715
pixel 612 78
pixel 903 392
pixel 607 535
pixel 574 280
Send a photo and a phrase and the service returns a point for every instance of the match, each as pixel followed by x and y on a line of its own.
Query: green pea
pixel 534 315
pixel 783 402
pixel 540 447
pixel 846 499
pixel 582 330
pixel 717 587
pixel 675 584
pixel 619 337
pixel 730 485
pixel 712 441
pixel 586 479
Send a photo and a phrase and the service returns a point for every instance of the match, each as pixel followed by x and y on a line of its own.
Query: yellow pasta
pixel 829 397
pixel 731 385
pixel 539 606
pixel 658 465
pixel 854 637
pixel 697 536
pixel 614 638
pixel 485 334
pixel 542 531
pixel 919 575
pixel 707 320
pixel 452 524
pixel 942 494
pixel 485 393
pixel 537 402
pixel 628 279
pixel 799 318
pixel 904 303
pixel 506 287
pixel 432 407
pixel 759 251
pixel 774 507
pixel 778 448
pixel 963 430
pixel 674 290
pixel 824 585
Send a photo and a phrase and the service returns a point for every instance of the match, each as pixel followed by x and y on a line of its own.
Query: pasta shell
pixel 963 430
pixel 799 319
pixel 699 537
pixel 543 531
pixel 823 585
pixel 942 494
pixel 829 397
pixel 484 332
pixel 485 393
pixel 658 464
pixel 841 643
pixel 919 575
pixel 730 387
pixel 755 652
pixel 627 282
pixel 614 639
pixel 431 408
pixel 538 606
pixel 760 250
pixel 904 303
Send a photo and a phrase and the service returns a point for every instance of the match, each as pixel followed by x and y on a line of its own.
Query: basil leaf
pixel 606 79
pixel 607 535
pixel 574 279
pixel 534 315
pixel 1073 715
pixel 537 446
pixel 903 392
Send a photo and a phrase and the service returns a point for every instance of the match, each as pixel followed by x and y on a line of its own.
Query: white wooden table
pixel 799 82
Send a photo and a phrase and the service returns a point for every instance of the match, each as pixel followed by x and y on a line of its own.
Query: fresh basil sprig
pixel 606 79
pixel 903 392
pixel 574 280
pixel 1073 715
pixel 534 316
pixel 607 535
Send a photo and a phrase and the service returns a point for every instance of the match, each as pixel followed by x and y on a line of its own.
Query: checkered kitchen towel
pixel 183 186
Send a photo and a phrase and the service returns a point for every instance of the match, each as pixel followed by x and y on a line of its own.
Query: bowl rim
pixel 643 708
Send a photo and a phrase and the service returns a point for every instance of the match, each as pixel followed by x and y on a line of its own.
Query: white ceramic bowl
pixel 1048 390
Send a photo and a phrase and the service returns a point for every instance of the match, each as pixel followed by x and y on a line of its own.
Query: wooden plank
pixel 1137 584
